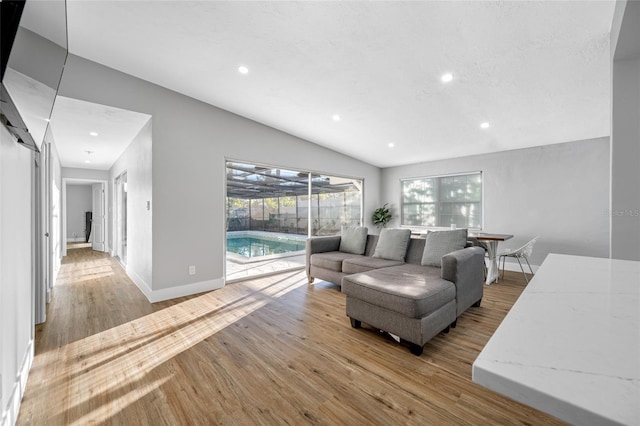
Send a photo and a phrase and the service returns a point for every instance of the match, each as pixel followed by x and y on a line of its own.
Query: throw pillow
pixel 353 239
pixel 393 244
pixel 440 243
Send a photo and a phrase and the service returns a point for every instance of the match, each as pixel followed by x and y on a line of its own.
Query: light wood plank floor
pixel 266 351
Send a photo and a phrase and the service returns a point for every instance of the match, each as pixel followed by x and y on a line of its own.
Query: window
pixel 443 201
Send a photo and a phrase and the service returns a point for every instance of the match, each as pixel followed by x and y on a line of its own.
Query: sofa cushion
pixel 439 243
pixel 353 239
pixel 392 244
pixel 331 260
pixel 354 265
pixel 405 290
pixel 415 251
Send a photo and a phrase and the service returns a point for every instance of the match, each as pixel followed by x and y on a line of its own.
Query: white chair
pixel 522 253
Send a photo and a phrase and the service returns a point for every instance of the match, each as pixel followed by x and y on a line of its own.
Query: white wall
pixel 625 132
pixel 89 174
pixel 136 161
pixel 16 294
pixel 558 192
pixel 79 201
pixel 191 141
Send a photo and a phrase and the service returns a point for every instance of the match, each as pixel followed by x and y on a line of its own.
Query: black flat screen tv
pixel 34 50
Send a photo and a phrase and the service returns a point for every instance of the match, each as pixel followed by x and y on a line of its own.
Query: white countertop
pixel 570 346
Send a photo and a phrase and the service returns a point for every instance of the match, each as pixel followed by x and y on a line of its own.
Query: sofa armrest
pixel 320 245
pixel 465 268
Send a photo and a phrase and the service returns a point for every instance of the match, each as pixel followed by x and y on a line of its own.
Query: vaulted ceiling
pixel 537 72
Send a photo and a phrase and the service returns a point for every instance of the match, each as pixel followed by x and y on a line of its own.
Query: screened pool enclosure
pixel 267 204
pixel 276 200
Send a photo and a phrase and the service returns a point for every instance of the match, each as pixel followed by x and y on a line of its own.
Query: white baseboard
pixel 10 412
pixel 76 239
pixel 173 292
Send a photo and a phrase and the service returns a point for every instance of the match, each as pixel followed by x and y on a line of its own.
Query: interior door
pixel 39 241
pixel 98 219
pixel 47 254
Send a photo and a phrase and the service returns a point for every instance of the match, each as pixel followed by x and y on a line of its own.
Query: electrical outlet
pixel 192 269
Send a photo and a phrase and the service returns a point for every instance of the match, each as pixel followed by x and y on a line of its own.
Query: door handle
pixel 46 234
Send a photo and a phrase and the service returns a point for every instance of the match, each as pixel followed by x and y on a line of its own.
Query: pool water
pixel 251 247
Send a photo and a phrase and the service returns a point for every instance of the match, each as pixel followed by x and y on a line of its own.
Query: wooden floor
pixel 266 351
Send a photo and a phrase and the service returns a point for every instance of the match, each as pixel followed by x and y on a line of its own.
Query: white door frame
pixel 99 218
pixel 118 212
pixel 107 209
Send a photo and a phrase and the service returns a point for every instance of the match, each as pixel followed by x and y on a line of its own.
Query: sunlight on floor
pixel 114 368
pixel 93 269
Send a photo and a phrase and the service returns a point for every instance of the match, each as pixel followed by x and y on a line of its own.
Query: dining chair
pixel 523 252
pixel 474 242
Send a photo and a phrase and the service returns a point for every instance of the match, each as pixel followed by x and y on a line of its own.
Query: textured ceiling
pixel 537 71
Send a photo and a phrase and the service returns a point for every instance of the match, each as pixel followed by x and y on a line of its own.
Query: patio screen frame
pixel 326 191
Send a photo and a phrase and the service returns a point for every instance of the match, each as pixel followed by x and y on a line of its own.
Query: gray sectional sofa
pixel 414 296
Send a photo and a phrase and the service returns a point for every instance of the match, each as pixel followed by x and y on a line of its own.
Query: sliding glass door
pixel 271 211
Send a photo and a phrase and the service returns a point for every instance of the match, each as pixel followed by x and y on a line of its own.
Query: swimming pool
pixel 253 246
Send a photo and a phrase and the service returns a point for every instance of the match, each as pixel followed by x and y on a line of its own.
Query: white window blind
pixel 443 201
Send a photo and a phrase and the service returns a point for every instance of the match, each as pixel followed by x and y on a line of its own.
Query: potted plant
pixel 381 216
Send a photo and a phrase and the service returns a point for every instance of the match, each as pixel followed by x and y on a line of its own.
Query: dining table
pixel 491 241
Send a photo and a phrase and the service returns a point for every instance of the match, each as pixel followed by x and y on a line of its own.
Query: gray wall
pixel 191 141
pixel 16 338
pixel 625 132
pixel 79 201
pixel 558 192
pixel 136 161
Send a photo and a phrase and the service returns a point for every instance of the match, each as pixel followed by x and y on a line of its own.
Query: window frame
pixel 438 202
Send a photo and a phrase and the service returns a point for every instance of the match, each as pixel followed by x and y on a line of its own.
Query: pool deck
pixel 238 271
pixel 238 268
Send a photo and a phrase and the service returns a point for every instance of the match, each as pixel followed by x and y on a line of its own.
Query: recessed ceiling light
pixel 484 125
pixel 446 78
pixel 93 133
pixel 391 144
pixel 243 70
pixel 336 117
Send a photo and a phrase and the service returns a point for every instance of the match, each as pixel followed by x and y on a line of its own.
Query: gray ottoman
pixel 404 300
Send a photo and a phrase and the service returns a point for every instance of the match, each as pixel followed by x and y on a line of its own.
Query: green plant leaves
pixel 381 216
